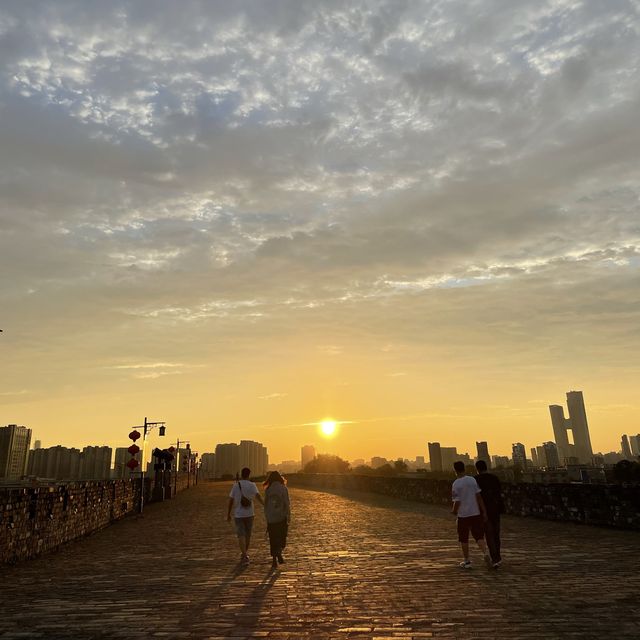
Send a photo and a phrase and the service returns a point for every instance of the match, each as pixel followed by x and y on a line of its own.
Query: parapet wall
pixel 603 505
pixel 34 520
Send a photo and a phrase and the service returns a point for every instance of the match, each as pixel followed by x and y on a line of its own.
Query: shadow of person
pixel 230 602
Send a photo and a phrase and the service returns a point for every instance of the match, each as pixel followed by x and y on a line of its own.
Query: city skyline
pixel 327 430
pixel 418 220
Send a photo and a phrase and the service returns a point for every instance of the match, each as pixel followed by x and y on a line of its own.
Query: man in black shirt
pixel 492 496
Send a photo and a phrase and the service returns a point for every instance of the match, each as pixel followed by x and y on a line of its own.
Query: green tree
pixel 327 463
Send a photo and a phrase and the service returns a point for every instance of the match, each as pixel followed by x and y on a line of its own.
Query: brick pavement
pixel 357 567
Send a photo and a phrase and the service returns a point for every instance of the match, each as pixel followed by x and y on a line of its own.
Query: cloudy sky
pixel 419 217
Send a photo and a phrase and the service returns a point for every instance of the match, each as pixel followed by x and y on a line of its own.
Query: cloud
pixel 180 181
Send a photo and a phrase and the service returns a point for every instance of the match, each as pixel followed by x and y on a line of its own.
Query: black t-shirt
pixel 490 492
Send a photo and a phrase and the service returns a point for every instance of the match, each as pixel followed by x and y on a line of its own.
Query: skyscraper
pixel 579 427
pixel 483 452
pixel 552 460
pixel 535 458
pixel 14 451
pixel 626 449
pixel 307 454
pixel 581 449
pixel 519 455
pixel 435 456
pixel 560 426
pixel 634 443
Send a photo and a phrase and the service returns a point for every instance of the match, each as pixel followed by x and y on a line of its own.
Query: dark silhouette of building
pixel 519 455
pixel 581 450
pixel 483 452
pixel 435 456
pixel 14 451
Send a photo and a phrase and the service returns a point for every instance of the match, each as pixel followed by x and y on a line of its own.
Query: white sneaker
pixel 466 564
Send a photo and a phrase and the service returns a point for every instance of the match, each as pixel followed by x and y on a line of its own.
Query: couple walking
pixel 277 512
pixel 477 503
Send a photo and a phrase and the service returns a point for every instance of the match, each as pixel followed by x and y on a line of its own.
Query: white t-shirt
pixel 249 490
pixel 464 491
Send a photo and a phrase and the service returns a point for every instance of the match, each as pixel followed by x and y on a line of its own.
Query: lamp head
pixel 161 430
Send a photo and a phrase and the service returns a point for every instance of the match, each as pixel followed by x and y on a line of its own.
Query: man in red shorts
pixel 469 508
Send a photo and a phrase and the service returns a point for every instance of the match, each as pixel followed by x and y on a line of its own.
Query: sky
pixel 419 218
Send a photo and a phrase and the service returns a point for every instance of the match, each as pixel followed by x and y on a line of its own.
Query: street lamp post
pixel 177 464
pixel 147 426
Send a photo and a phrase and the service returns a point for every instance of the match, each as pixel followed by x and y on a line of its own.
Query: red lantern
pixel 132 464
pixel 134 435
pixel 133 449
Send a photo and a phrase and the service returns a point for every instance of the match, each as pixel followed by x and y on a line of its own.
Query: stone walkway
pixel 357 566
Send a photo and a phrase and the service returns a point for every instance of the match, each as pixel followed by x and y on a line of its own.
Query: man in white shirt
pixel 243 491
pixel 468 506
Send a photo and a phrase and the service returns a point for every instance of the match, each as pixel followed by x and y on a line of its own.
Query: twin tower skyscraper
pixel 579 450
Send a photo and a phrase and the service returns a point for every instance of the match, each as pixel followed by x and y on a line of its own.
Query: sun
pixel 328 428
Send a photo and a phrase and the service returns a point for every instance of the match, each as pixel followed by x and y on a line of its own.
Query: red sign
pixel 134 435
pixel 133 449
pixel 132 464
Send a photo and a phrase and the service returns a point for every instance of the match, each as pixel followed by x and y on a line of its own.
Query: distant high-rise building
pixel 122 457
pixel 552 460
pixel 534 457
pixel 254 455
pixel 500 461
pixel 231 458
pixel 207 469
pixel 420 463
pixel 37 445
pixel 519 455
pixel 227 459
pixel 95 463
pixel 307 454
pixel 634 443
pixel 576 422
pixel 55 463
pixel 579 427
pixel 378 461
pixel 483 452
pixel 435 456
pixel 560 426
pixel 14 451
pixel 626 449
pixel 449 456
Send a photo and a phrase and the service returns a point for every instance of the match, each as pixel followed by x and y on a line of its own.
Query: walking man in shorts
pixel 469 509
pixel 492 498
pixel 242 495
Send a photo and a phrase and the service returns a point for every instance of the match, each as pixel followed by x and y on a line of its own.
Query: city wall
pixel 37 519
pixel 603 505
